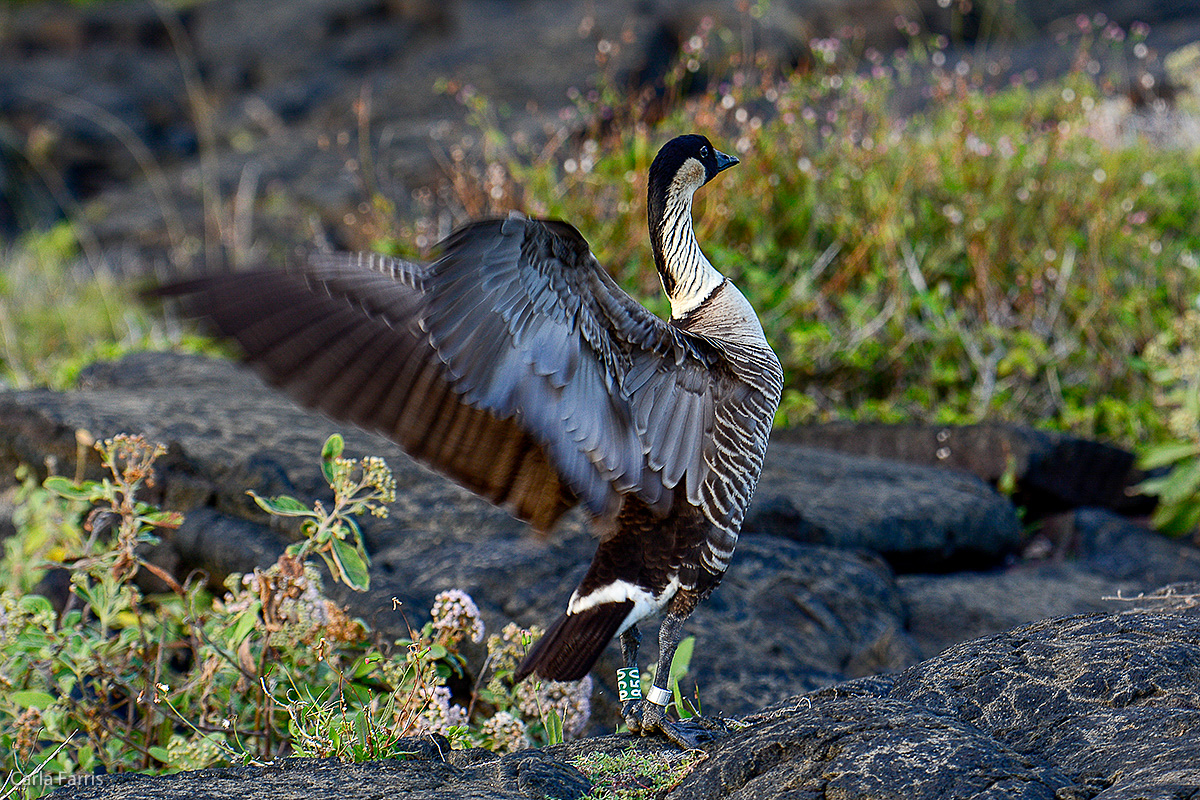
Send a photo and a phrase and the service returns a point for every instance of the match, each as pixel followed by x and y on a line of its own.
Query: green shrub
pixel 124 680
pixel 992 255
pixel 1174 361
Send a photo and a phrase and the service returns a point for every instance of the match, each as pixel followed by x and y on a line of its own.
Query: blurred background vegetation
pixel 923 241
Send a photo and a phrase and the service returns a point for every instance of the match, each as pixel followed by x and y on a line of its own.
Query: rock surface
pixel 1049 471
pixel 1098 706
pixel 432 772
pixel 1094 707
pixel 916 517
pixel 790 616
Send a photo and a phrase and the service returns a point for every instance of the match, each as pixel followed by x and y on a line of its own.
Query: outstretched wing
pixel 342 335
pixel 513 363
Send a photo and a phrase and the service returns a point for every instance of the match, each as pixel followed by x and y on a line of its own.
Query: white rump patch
pixel 645 603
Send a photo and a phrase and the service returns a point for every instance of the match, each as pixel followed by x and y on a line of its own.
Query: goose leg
pixel 630 640
pixel 648 716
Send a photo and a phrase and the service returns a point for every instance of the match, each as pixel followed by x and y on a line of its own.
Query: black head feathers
pixel 675 153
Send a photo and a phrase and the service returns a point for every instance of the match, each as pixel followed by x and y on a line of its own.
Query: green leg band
pixel 629 684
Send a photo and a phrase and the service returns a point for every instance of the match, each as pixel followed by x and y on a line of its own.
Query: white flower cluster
pixel 374 489
pixel 455 615
pixel 438 714
pixel 505 732
pixel 572 700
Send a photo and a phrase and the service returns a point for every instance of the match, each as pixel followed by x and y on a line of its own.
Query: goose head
pixel 682 166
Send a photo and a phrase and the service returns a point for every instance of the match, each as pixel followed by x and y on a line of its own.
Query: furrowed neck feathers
pixel 687 275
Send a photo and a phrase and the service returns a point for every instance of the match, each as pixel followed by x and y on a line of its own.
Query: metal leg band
pixel 660 697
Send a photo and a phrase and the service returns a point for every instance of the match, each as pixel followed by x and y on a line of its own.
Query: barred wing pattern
pixel 741 430
pixel 343 336
pixel 529 323
pixel 514 364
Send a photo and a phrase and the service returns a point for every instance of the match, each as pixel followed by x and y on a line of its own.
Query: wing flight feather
pixel 513 363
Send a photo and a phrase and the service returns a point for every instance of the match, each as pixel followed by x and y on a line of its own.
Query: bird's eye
pixel 704 152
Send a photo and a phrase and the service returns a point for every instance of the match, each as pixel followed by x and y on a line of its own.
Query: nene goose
pixel 515 365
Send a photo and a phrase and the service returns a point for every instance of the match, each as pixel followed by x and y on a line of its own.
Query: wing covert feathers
pixel 514 364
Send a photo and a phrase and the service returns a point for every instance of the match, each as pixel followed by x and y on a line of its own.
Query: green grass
pixel 989 257
pixel 633 774
pixel 58 314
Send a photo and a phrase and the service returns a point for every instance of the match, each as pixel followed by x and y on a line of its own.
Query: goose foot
pixel 646 719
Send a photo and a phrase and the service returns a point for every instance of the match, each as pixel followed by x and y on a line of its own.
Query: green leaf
pixel 1151 486
pixel 66 488
pixel 1163 454
pixel 1177 519
pixel 246 622
pixel 35 604
pixel 282 505
pixel 679 669
pixel 31 698
pixel 160 752
pixel 682 660
pixel 332 450
pixel 167 519
pixel 1182 483
pixel 351 565
pixel 554 727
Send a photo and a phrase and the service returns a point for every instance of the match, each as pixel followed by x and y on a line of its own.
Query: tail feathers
pixel 573 643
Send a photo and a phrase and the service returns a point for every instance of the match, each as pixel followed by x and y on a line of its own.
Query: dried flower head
pixel 294 607
pixel 28 726
pixel 507 649
pixel 437 714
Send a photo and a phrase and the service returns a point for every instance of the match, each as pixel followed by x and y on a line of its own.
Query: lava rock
pixel 432 772
pixel 1100 706
pixel 918 518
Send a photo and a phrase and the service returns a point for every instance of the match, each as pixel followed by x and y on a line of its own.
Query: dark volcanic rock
pixel 1051 472
pixel 851 747
pixel 1092 707
pixel 916 517
pixel 1115 557
pixel 1101 706
pixel 433 772
pixel 1114 700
